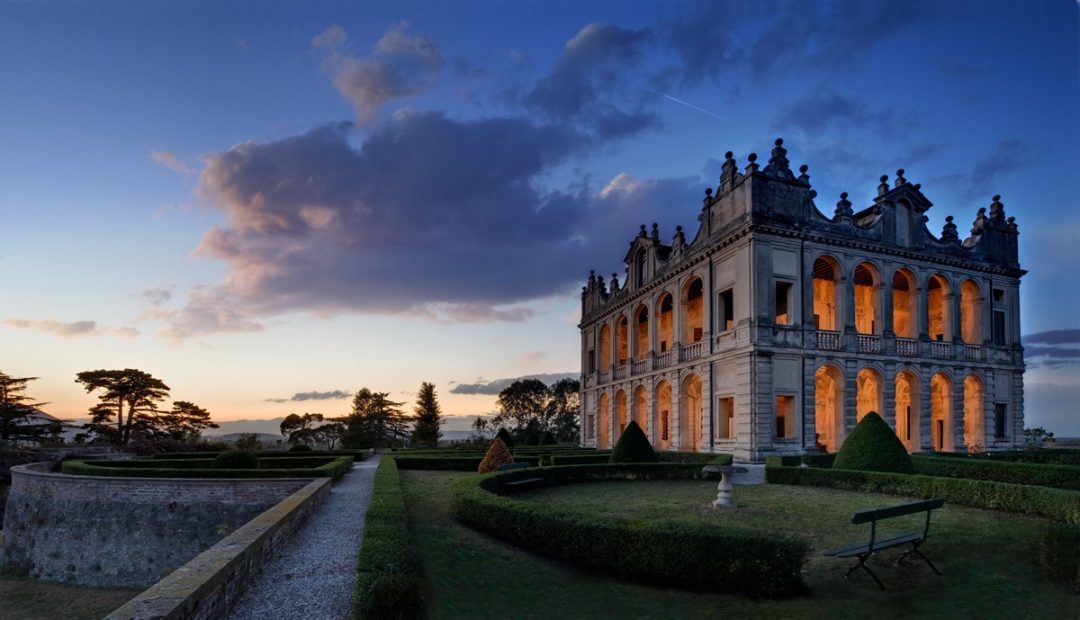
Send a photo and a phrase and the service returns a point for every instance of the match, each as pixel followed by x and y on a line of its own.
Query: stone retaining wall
pixel 207 587
pixel 122 532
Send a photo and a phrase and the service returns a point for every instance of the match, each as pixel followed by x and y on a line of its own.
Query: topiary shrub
pixel 237 459
pixel 299 448
pixel 497 454
pixel 1060 547
pixel 633 447
pixel 507 440
pixel 873 446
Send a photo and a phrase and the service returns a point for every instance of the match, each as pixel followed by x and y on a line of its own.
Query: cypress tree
pixel 428 417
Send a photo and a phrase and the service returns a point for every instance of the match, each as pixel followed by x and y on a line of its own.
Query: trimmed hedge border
pixel 334 468
pixel 358 455
pixel 689 556
pixel 452 463
pixel 1017 472
pixel 698 458
pixel 1048 456
pixel 821 461
pixel 579 459
pixel 1056 504
pixel 389 575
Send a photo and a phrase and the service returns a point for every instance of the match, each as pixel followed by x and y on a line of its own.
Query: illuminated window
pixel 785 417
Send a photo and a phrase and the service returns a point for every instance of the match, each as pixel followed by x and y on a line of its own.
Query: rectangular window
pixel 725 414
pixel 999 296
pixel 664 425
pixel 999 328
pixel 589 427
pixel 592 362
pixel 783 303
pixel 785 417
pixel 1000 414
pixel 727 310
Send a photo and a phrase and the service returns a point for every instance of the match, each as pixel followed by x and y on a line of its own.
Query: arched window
pixel 974 428
pixel 904 305
pixel 867 299
pixel 829 408
pixel 621 415
pixel 641 408
pixel 662 416
pixel 693 318
pixel 971 309
pixel 941 420
pixel 603 425
pixel 907 410
pixel 641 336
pixel 640 267
pixel 605 348
pixel 938 317
pixel 622 340
pixel 826 275
pixel 690 414
pixel 666 333
pixel 867 393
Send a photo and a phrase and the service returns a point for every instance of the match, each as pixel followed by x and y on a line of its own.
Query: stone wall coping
pixel 188 591
pixel 40 469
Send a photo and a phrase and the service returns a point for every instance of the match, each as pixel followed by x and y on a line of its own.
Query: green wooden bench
pixel 864 550
pixel 523 481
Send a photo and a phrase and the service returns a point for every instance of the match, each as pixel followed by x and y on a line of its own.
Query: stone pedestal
pixel 724 496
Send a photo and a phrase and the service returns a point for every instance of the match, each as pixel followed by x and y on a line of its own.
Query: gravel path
pixel 313 576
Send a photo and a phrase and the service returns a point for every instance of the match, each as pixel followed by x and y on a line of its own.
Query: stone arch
pixel 665 322
pixel 690 405
pixel 603 425
pixel 826 283
pixel 938 312
pixel 621 414
pixel 641 332
pixel 640 408
pixel 974 414
pixel 971 310
pixel 693 305
pixel 662 416
pixel 941 415
pixel 622 340
pixel 829 407
pixel 905 304
pixel 869 390
pixel 908 428
pixel 605 347
pixel 867 280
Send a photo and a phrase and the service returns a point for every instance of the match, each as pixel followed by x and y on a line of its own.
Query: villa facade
pixel 776 328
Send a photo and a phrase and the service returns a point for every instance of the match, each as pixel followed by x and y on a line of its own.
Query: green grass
pixel 22 599
pixel 988 558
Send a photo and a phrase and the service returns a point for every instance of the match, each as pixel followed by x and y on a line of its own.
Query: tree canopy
pixel 529 406
pixel 375 420
pixel 185 422
pixel 139 391
pixel 428 417
pixel 16 409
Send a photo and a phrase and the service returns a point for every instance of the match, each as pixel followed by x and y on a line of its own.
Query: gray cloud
pixel 492 388
pixel 430 216
pixel 1052 349
pixel 1054 336
pixel 157 295
pixel 60 328
pixel 170 161
pixel 1008 156
pixel 399 66
pixel 300 397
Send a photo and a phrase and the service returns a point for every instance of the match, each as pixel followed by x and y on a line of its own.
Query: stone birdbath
pixel 724 498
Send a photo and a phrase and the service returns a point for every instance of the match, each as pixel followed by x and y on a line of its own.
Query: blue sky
pixel 257 200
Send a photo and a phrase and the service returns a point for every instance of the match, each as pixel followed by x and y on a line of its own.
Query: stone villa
pixel 776 327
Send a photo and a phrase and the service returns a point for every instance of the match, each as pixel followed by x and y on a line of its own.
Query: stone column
pixel 958 410
pixel 851 389
pixel 888 395
pixel 925 410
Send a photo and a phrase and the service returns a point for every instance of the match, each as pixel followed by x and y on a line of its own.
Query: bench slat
pixel 525 481
pixel 897 511
pixel 885 543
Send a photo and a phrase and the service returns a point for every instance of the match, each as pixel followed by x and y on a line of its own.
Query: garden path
pixel 313 576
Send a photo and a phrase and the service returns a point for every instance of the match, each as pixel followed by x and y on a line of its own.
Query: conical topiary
pixel 633 447
pixel 873 446
pixel 507 440
pixel 497 454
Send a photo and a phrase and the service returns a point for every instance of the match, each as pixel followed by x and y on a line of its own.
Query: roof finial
pixel 948 232
pixel 900 180
pixel 729 173
pixel 805 178
pixel 883 188
pixel 708 197
pixel 641 233
pixel 752 167
pixel 997 209
pixel 843 208
pixel 778 162
pixel 679 239
pixel 655 231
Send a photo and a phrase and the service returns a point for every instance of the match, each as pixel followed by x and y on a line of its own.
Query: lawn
pixel 36 600
pixel 988 558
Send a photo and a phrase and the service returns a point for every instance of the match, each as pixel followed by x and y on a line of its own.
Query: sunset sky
pixel 272 205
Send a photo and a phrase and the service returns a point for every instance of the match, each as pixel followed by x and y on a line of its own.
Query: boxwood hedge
pixel 452 463
pixel 1041 474
pixel 325 468
pixel 358 455
pixel 389 575
pixel 1057 504
pixel 683 555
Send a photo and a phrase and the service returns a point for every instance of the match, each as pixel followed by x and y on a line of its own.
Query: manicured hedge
pixel 795 460
pixel 1049 456
pixel 452 463
pixel 1056 504
pixel 389 575
pixel 1059 546
pixel 692 556
pixel 358 455
pixel 1047 475
pixel 333 468
pixel 579 459
pixel 701 458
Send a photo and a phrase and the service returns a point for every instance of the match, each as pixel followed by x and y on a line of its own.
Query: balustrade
pixel 691 351
pixel 665 359
pixel 941 350
pixel 828 340
pixel 622 371
pixel 973 353
pixel 907 347
pixel 868 343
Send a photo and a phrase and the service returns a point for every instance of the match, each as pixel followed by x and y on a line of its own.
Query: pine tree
pixel 16 409
pixel 428 417
pixel 375 421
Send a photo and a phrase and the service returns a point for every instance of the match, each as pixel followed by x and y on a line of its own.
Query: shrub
pixel 1048 475
pixel 299 448
pixel 873 446
pixel 579 459
pixel 507 439
pixel 238 459
pixel 633 446
pixel 497 454
pixel 1056 504
pixel 703 458
pixel 548 439
pixel 194 468
pixel 1059 545
pixel 388 576
pixel 674 554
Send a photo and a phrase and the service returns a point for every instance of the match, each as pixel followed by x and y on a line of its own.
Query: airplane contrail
pixel 702 110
